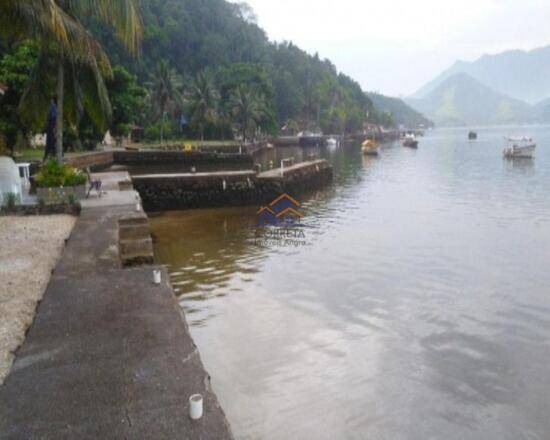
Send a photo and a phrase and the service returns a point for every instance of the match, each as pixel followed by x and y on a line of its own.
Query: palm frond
pixel 122 15
pixel 34 103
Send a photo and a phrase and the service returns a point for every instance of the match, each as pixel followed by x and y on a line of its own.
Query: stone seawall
pixel 163 192
pixel 181 158
pixel 238 188
pixel 97 160
pixel 299 178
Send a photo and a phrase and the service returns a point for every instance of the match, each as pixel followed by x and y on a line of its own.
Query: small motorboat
pixel 310 139
pixel 472 136
pixel 332 142
pixel 519 147
pixel 410 141
pixel 369 148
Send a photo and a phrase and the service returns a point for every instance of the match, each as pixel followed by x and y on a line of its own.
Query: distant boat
pixel 309 139
pixel 332 142
pixel 472 136
pixel 369 148
pixel 410 141
pixel 520 147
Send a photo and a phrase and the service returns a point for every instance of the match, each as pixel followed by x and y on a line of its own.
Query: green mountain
pixel 402 114
pixel 542 110
pixel 462 100
pixel 223 37
pixel 518 74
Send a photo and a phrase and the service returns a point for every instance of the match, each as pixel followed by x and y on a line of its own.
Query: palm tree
pixel 70 52
pixel 203 98
pixel 248 107
pixel 164 94
pixel 58 21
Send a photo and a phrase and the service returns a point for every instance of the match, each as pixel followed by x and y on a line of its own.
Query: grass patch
pixel 29 154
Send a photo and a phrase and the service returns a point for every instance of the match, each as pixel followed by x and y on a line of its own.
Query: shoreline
pixel 110 345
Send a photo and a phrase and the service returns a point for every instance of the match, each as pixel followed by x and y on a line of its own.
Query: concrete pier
pixel 164 192
pixel 109 354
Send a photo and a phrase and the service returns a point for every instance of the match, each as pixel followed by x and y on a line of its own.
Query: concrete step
pixel 139 218
pixel 133 232
pixel 125 185
pixel 142 246
pixel 133 260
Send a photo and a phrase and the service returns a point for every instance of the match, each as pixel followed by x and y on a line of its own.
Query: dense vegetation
pixel 70 62
pixel 206 70
pixel 297 89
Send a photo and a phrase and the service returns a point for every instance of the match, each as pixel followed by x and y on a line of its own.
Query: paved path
pixel 276 173
pixel 228 174
pixel 109 355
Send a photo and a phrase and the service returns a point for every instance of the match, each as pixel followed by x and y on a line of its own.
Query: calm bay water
pixel 419 308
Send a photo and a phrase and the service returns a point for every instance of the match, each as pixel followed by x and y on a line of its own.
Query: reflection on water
pixel 418 309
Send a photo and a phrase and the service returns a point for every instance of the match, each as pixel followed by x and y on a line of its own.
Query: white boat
pixel 331 142
pixel 519 147
pixel 410 141
pixel 310 139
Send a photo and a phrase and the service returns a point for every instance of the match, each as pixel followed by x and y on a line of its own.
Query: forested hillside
pixel 205 69
pixel 303 90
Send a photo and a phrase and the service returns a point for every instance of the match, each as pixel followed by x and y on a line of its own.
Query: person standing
pixel 50 129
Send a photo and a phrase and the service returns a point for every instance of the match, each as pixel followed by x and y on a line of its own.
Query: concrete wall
pixel 181 158
pixel 185 191
pixel 96 160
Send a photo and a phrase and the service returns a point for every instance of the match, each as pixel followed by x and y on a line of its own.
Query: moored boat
pixel 519 147
pixel 309 139
pixel 410 141
pixel 369 148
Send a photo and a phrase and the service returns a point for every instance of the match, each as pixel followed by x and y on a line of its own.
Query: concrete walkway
pixel 109 355
pixel 277 173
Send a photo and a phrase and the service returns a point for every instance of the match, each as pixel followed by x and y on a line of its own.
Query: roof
pixel 289 211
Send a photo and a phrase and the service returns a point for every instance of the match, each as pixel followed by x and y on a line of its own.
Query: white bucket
pixel 157 276
pixel 195 407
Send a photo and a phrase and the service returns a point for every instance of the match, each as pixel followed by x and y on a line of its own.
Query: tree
pixel 69 50
pixel 15 69
pixel 203 100
pixel 255 76
pixel 164 92
pixel 127 101
pixel 248 109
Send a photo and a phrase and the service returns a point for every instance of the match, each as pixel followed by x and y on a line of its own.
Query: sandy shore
pixel 29 249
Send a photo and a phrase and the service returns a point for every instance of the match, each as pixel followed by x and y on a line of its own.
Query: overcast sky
pixel 395 46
